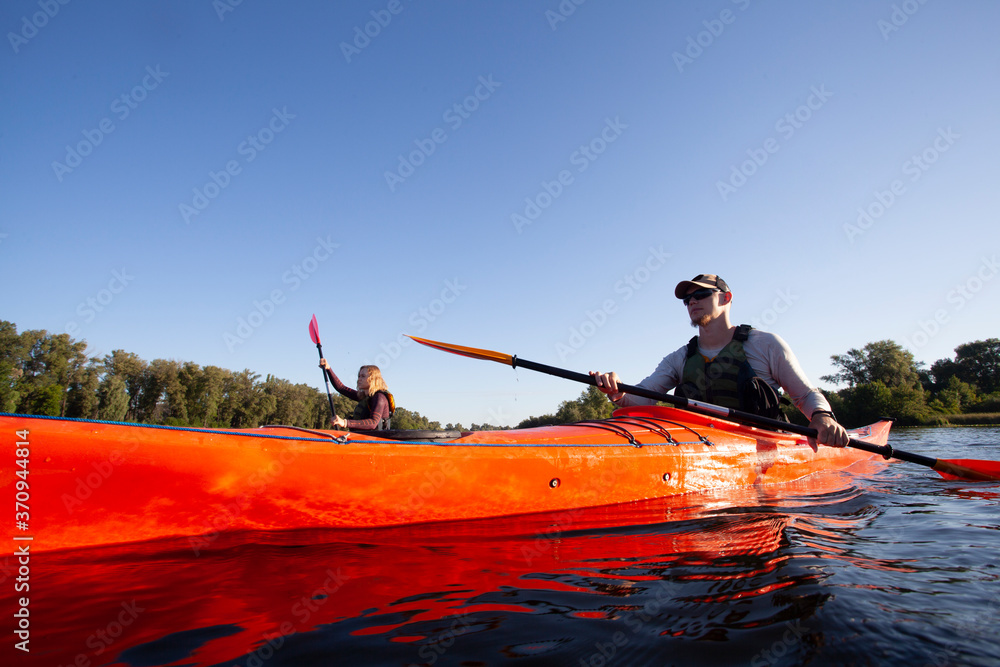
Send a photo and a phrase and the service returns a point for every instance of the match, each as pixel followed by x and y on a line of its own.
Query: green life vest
pixel 728 379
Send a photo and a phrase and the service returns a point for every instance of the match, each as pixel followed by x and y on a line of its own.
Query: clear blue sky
pixel 167 169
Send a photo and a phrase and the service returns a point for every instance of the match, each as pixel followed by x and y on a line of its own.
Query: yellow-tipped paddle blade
pixel 473 352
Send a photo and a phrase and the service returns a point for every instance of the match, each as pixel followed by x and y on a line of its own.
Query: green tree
pixel 83 396
pixel 246 404
pixel 188 376
pixel 295 404
pixel 986 403
pixel 976 363
pixel 883 361
pixel 43 400
pixel 49 364
pixel 163 398
pixel 488 427
pixel 535 422
pixel 132 370
pixel 957 396
pixel 865 403
pixel 942 370
pixel 113 405
pixel 204 390
pixel 37 364
pixel 591 404
pixel 12 354
pixel 908 405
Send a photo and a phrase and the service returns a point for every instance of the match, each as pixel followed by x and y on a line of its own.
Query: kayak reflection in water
pixel 736 367
pixel 375 403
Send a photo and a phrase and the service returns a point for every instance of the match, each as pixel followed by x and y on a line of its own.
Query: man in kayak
pixel 735 367
pixel 375 403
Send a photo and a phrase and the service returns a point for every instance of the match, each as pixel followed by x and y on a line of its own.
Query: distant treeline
pixel 50 374
pixel 883 379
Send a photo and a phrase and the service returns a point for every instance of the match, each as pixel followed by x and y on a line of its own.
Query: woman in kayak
pixel 375 403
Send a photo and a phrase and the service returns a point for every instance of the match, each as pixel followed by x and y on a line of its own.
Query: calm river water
pixel 889 565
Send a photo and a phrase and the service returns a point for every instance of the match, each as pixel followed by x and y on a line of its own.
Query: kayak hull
pixel 95 483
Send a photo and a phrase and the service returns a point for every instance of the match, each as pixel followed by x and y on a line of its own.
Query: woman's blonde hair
pixel 375 382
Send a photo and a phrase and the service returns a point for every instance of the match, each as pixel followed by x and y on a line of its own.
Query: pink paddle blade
pixel 314 330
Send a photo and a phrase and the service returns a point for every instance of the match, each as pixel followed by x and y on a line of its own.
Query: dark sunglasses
pixel 698 295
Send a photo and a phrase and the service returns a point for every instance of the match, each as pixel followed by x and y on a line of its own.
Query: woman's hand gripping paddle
pixel 314 334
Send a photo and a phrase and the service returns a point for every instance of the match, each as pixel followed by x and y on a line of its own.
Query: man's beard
pixel 701 321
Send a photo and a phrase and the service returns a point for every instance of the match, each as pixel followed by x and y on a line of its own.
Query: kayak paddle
pixel 314 334
pixel 970 469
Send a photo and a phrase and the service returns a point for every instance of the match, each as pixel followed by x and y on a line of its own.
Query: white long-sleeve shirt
pixel 770 358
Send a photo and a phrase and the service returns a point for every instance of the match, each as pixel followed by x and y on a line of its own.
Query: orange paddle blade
pixel 974 469
pixel 473 352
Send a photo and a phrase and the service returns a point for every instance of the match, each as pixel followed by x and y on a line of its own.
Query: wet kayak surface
pixel 886 564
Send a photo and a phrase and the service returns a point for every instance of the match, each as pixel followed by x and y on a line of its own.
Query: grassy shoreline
pixel 970 419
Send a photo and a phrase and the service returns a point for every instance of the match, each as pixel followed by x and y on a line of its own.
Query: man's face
pixel 702 305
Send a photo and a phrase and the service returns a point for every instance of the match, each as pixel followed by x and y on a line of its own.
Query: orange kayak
pixel 87 483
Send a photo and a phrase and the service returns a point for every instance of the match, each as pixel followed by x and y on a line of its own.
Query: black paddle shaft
pixel 326 381
pixel 725 413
